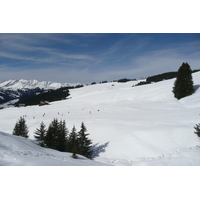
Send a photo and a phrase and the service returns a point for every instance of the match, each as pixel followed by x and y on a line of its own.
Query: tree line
pixel 58 137
pixel 49 95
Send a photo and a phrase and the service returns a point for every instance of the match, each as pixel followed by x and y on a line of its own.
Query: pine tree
pixel 72 143
pixel 40 134
pixel 197 129
pixel 56 135
pixel 51 135
pixel 21 128
pixel 61 138
pixel 183 86
pixel 84 142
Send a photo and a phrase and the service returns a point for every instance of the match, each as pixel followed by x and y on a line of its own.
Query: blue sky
pixel 85 58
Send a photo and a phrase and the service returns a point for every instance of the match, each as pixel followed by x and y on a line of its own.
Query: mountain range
pixel 14 91
pixel 32 84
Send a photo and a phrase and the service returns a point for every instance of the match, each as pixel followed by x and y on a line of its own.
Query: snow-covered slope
pixel 15 150
pixel 31 84
pixel 143 125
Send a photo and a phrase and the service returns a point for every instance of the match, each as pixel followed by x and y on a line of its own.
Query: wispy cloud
pixel 165 60
pixel 15 56
pixel 91 57
pixel 26 48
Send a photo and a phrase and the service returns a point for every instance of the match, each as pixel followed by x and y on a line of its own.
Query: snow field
pixel 143 125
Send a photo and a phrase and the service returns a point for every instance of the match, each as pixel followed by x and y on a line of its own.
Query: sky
pixel 94 57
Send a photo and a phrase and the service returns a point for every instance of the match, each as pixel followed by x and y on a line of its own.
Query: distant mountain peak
pixel 13 91
pixel 31 84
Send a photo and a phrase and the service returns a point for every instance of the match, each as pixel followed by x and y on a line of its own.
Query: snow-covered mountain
pixel 12 91
pixel 32 84
pixel 143 125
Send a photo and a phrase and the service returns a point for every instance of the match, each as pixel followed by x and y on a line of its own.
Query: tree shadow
pixel 97 149
pixel 196 87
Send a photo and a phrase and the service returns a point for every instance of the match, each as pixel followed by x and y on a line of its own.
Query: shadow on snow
pixel 196 87
pixel 97 149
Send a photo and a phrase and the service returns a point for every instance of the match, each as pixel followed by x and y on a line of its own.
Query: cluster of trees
pixel 161 77
pixel 123 80
pixel 142 83
pixel 50 95
pixel 157 78
pixel 57 137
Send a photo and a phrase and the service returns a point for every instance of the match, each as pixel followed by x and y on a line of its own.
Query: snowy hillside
pixel 142 125
pixel 15 150
pixel 31 84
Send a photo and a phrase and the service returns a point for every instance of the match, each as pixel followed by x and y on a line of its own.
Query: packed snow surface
pixel 141 125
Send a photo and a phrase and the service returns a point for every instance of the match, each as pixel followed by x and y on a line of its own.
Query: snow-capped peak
pixel 31 84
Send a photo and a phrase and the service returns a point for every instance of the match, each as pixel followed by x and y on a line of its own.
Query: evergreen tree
pixel 72 143
pixel 51 135
pixel 84 142
pixel 21 128
pixel 197 129
pixel 183 86
pixel 61 138
pixel 56 135
pixel 40 134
